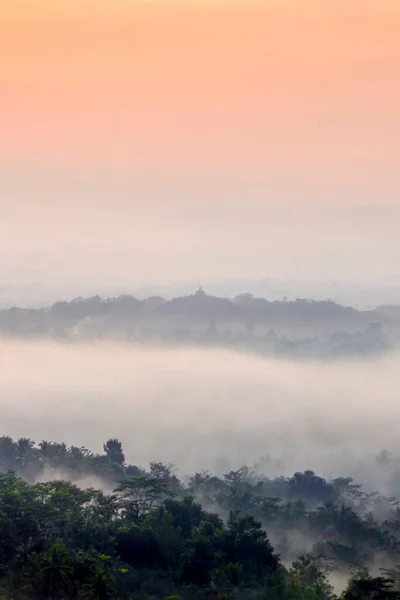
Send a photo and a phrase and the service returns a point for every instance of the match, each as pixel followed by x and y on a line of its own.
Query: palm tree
pixel 14 586
pixel 101 586
pixel 50 574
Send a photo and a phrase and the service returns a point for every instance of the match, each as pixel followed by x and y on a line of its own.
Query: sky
pixel 135 133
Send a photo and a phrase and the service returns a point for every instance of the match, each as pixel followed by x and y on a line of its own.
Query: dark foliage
pixel 147 535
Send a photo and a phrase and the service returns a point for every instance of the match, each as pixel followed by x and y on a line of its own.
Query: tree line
pixel 301 328
pixel 148 533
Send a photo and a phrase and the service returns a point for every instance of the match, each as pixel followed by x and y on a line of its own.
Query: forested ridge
pixel 77 524
pixel 299 328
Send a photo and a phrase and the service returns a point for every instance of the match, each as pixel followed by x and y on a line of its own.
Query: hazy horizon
pixel 151 142
pixel 127 245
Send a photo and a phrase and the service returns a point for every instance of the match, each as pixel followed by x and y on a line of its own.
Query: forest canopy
pixel 104 528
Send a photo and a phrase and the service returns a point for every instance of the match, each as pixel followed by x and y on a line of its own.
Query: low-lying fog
pixel 202 409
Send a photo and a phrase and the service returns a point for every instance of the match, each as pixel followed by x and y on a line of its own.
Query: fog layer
pixel 202 408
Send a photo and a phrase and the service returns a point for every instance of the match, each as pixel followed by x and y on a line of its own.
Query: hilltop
pixel 295 328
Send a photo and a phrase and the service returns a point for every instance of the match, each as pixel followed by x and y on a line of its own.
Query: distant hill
pixel 299 328
pixel 362 297
pixel 200 305
pixel 391 310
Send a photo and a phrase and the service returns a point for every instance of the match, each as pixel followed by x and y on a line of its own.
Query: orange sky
pixel 215 85
pixel 108 107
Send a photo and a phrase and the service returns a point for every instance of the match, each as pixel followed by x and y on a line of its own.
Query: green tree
pixel 371 588
pixel 138 495
pixel 114 451
pixel 309 578
pixel 51 572
pixel 246 543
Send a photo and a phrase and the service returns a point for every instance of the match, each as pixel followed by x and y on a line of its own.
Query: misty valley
pixel 196 388
pixel 259 453
pixel 199 300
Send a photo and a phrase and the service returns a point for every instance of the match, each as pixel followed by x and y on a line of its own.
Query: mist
pixel 204 409
pixel 74 234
